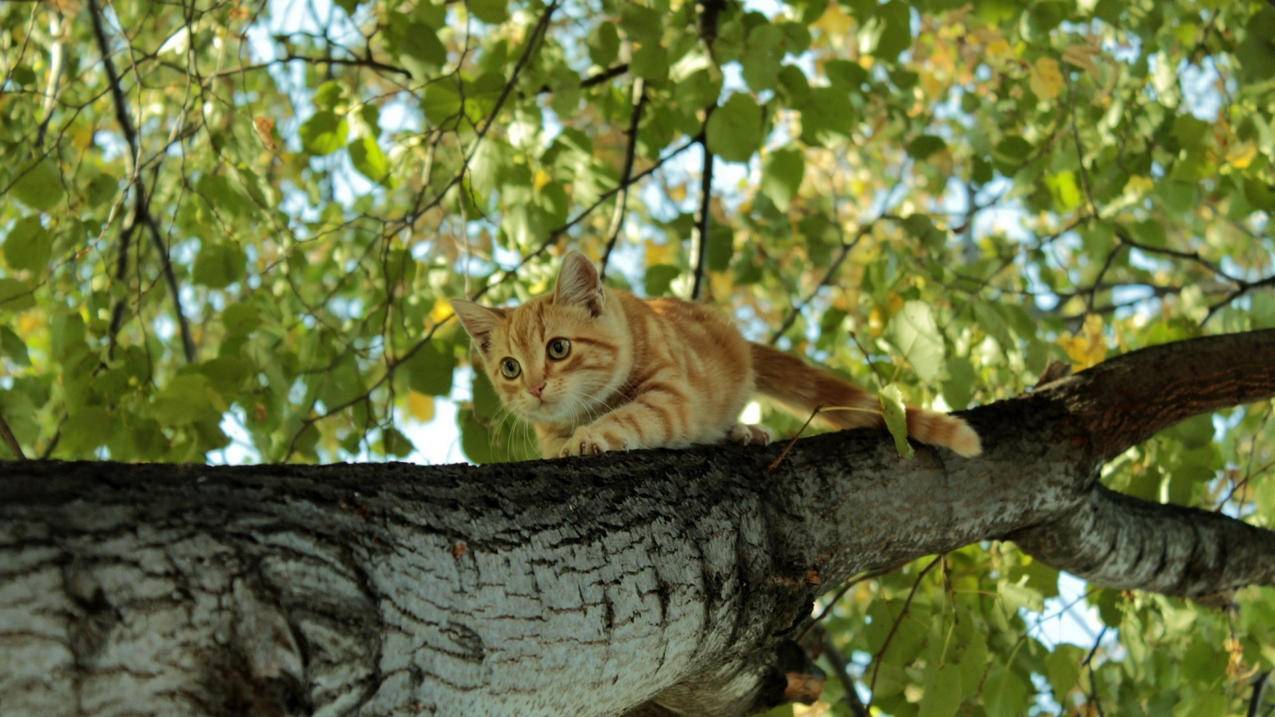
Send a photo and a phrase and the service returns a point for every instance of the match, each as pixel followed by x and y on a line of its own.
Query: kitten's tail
pixel 803 388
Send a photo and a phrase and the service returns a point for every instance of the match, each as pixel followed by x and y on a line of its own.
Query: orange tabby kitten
pixel 594 369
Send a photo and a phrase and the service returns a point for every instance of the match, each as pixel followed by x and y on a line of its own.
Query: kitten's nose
pixel 536 390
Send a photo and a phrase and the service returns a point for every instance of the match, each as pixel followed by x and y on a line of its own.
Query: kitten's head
pixel 556 358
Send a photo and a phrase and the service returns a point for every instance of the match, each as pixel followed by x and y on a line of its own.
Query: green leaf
pixel 13 347
pixel 942 695
pixel 328 95
pixel 895 32
pixel 896 421
pixel 826 115
pixel 39 186
pixel 186 398
pixel 1065 190
pixel 394 443
pixel 430 369
pixel 735 128
pixel 15 295
pixel 658 278
pixel 324 133
pixel 782 176
pixel 492 12
pixel 721 242
pixel 604 44
pixel 914 332
pixel 958 389
pixel 219 264
pixel 650 61
pixel 1062 666
pixel 241 318
pixel 85 430
pixel 415 45
pixel 1016 596
pixel 1005 693
pixel 475 439
pixel 925 146
pixel 368 158
pixel 762 60
pixel 1011 152
pixel 28 245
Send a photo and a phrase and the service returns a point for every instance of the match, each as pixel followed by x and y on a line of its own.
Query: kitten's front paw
pixel 749 435
pixel 587 440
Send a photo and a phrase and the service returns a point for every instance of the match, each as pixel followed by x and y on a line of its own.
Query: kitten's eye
pixel 509 368
pixel 559 348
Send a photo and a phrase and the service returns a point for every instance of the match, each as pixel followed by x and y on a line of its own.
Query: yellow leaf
pixel 1089 346
pixel 1046 78
pixel 1139 185
pixel 720 283
pixel 1081 56
pixel 441 311
pixel 540 179
pixel 834 22
pixel 1241 155
pixel 420 406
pixel 660 253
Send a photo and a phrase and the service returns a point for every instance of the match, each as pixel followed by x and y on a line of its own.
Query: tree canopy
pixel 231 224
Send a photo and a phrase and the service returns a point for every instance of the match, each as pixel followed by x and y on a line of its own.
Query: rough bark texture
pixel 585 586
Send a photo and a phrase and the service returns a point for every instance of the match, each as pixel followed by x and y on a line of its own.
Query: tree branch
pixel 673 575
pixel 10 440
pixel 630 153
pixel 1122 542
pixel 142 213
pixel 1122 402
pixel 705 214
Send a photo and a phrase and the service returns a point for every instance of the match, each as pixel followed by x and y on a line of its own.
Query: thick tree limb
pixel 610 582
pixel 1122 402
pixel 1118 541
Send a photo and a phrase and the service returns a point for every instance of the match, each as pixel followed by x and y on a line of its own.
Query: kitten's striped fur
pixel 663 372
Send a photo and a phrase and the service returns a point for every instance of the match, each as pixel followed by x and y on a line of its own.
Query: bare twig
pixel 1093 682
pixel 907 604
pixel 847 682
pixel 57 53
pixel 779 459
pixel 1259 693
pixel 595 79
pixel 11 440
pixel 705 215
pixel 829 275
pixel 630 153
pixel 142 209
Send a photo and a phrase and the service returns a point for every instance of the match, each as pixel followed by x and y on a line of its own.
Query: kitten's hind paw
pixel 748 435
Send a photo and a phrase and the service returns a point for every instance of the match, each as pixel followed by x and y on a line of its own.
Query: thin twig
pixel 595 79
pixel 827 608
pixel 57 54
pixel 1106 266
pixel 907 604
pixel 1259 693
pixel 1093 682
pixel 847 682
pixel 828 276
pixel 630 153
pixel 141 209
pixel 705 214
pixel 11 440
pixel 779 459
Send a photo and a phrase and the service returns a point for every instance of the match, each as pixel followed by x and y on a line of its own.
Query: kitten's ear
pixel 479 321
pixel 579 283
